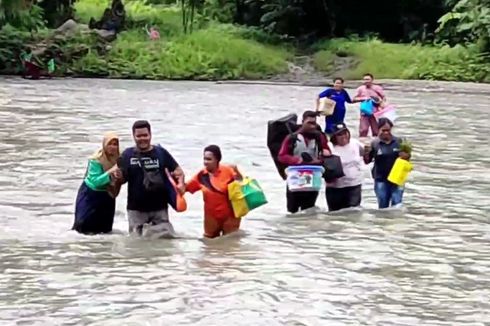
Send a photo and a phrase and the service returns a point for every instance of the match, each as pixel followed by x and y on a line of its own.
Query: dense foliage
pixel 445 39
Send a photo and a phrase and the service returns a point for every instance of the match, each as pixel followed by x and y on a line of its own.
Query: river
pixel 428 264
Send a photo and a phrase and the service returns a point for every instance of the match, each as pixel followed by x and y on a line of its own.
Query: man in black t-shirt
pixel 146 168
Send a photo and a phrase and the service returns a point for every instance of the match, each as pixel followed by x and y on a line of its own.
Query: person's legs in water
pixel 159 225
pixel 353 196
pixel 335 198
pixel 396 195
pixel 300 200
pixel 329 124
pixel 383 193
pixel 374 125
pixel 364 126
pixel 231 224
pixel 212 227
pixel 308 199
pixel 136 220
pixel 292 200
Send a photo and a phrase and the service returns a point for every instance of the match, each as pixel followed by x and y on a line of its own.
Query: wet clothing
pixel 384 156
pixel 340 97
pixel 219 217
pixel 300 200
pixel 340 198
pixel 216 227
pixel 132 163
pixel 95 207
pixel 94 211
pixel 291 154
pixel 155 223
pixel 367 122
pixel 351 156
pixel 214 189
pixel 373 91
pixel 388 194
pixel 345 192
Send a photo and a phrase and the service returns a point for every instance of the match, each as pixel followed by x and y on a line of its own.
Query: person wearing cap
pixel 345 192
pixel 307 146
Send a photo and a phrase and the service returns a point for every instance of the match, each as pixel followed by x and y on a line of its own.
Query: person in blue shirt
pixel 338 94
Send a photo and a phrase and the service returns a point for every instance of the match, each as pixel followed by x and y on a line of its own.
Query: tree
pixel 189 8
pixel 469 20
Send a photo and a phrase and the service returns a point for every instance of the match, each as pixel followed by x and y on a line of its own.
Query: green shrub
pixel 205 54
pixel 138 15
pixel 406 61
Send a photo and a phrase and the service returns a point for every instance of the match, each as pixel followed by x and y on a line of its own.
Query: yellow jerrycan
pixel 400 171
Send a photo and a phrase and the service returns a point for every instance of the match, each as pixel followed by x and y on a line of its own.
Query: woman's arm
pixel 347 97
pixel 192 186
pixel 96 176
pixel 368 153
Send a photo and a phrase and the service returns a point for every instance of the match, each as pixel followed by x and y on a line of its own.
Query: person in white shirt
pixel 345 192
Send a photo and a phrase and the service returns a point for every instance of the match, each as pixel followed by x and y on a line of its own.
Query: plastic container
pixel 304 178
pixel 388 112
pixel 399 172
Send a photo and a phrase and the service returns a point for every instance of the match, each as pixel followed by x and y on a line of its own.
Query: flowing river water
pixel 428 264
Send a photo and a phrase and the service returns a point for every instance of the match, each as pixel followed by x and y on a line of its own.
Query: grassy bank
pixel 221 51
pixel 401 61
pixel 212 51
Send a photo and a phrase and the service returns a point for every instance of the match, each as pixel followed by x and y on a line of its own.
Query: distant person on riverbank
pixel 366 92
pixel 307 146
pixel 213 181
pixel 152 33
pixel 384 150
pixel 147 169
pixel 340 96
pixel 30 64
pixel 96 203
pixel 345 192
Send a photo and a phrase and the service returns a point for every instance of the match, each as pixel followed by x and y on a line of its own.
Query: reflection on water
pixel 428 264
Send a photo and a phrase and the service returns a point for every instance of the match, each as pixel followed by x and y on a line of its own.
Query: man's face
pixel 309 125
pixel 368 81
pixel 142 138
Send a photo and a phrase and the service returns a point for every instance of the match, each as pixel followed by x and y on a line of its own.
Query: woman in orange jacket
pixel 213 181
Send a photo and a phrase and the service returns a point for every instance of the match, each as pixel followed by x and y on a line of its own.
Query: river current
pixel 427 264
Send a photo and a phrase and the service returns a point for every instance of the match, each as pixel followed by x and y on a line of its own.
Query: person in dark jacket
pixel 384 151
pixel 307 146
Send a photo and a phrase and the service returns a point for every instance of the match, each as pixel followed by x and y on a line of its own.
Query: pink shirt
pixel 374 90
pixel 154 34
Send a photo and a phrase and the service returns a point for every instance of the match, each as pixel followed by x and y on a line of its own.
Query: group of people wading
pixel 155 180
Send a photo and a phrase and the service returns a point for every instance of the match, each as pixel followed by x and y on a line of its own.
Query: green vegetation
pixel 406 146
pixel 206 54
pixel 255 39
pixel 405 61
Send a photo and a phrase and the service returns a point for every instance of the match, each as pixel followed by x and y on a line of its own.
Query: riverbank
pixel 217 51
